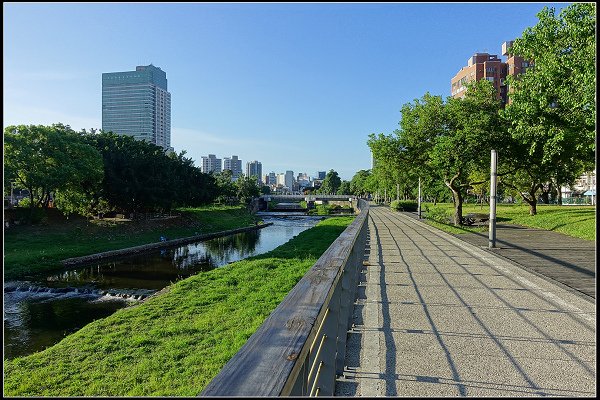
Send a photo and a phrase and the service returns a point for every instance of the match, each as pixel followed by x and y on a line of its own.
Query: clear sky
pixel 296 86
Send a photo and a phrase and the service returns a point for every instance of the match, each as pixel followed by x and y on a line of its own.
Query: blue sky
pixel 297 86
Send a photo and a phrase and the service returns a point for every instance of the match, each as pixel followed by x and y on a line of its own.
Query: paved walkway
pixel 566 259
pixel 570 261
pixel 437 316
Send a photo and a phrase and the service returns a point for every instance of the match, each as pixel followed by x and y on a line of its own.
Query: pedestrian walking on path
pixel 437 316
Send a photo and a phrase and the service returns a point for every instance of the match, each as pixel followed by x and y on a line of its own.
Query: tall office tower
pixel 137 103
pixel 211 164
pixel 234 165
pixel 272 179
pixel 289 179
pixel 254 168
pixel 490 67
pixel 321 175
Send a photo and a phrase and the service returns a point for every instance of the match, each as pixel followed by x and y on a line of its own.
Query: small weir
pixel 41 311
pixel 26 289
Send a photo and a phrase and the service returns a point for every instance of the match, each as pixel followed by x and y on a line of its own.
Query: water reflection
pixel 40 312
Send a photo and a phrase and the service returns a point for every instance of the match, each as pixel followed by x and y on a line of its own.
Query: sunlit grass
pixel 175 343
pixel 576 221
pixel 40 248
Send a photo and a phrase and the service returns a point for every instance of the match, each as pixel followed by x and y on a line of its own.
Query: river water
pixel 40 312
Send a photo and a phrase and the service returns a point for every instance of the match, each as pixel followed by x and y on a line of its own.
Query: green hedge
pixel 404 205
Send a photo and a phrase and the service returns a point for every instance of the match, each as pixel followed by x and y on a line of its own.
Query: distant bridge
pixel 286 202
pixel 290 198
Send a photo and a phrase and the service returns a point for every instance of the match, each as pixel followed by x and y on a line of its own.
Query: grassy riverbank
pixel 38 248
pixel 175 343
pixel 576 221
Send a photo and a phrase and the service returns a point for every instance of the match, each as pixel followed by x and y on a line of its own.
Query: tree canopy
pixel 552 109
pixel 545 136
pixel 331 183
pixel 49 159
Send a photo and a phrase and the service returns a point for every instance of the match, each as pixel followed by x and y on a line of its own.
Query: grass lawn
pixel 39 248
pixel 576 221
pixel 172 344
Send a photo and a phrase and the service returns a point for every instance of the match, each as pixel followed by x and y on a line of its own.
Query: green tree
pixel 192 187
pixel 246 188
pixel 474 127
pixel 331 183
pixel 344 188
pixel 443 142
pixel 138 176
pixel 52 160
pixel 226 188
pixel 552 110
pixel 360 183
pixel 387 171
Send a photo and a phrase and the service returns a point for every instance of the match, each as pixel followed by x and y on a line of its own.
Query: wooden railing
pixel 300 348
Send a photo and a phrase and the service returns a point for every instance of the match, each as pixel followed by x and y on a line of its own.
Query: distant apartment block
pixel 137 103
pixel 280 179
pixel 254 168
pixel 234 165
pixel 210 164
pixel 303 180
pixel 271 179
pixel 490 67
pixel 585 186
pixel 515 65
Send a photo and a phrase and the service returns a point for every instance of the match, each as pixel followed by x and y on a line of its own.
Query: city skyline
pixel 298 86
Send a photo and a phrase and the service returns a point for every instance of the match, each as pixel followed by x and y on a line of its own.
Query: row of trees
pixel 98 172
pixel 545 136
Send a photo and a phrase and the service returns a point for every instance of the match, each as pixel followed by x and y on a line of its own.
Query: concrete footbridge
pixel 291 202
pixel 290 198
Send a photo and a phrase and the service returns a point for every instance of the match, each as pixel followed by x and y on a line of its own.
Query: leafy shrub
pixel 439 215
pixel 404 205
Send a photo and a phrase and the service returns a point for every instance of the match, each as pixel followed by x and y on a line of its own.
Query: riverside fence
pixel 300 348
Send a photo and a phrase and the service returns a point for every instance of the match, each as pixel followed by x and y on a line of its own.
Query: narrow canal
pixel 40 312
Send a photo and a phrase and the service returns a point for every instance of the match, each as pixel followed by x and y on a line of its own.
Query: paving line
pixel 499 264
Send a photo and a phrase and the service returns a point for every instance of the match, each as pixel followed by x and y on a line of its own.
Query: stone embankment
pixel 69 262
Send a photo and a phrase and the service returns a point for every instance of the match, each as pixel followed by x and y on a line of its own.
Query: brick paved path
pixel 440 317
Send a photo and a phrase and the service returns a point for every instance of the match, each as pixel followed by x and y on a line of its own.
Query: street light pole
pixel 419 205
pixel 493 181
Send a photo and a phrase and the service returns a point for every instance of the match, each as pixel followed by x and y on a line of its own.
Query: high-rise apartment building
pixel 303 180
pixel 280 179
pixel 137 103
pixel 254 168
pixel 480 66
pixel 211 164
pixel 515 65
pixel 490 67
pixel 234 165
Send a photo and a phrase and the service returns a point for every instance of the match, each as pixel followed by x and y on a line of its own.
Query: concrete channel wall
pixel 69 262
